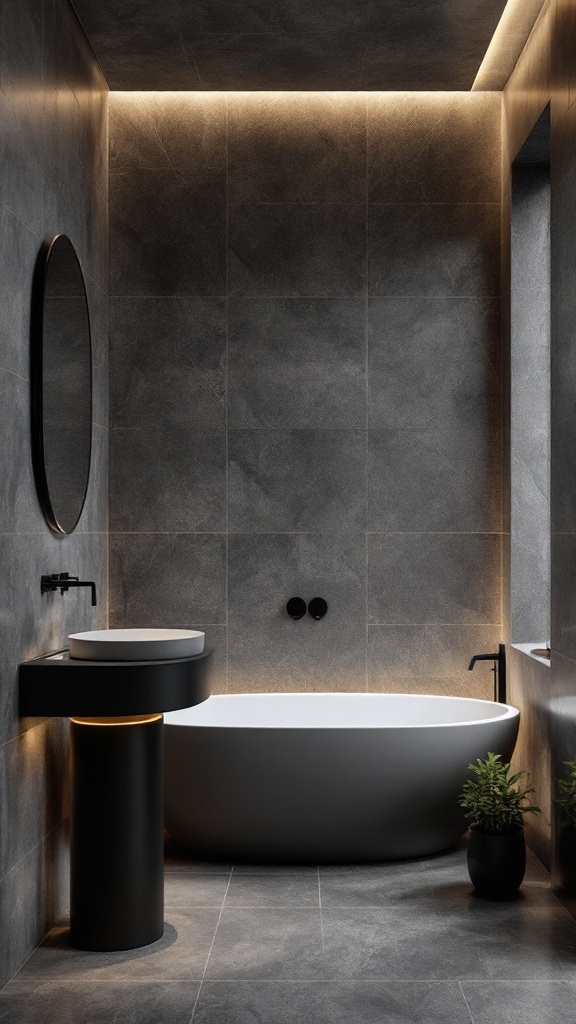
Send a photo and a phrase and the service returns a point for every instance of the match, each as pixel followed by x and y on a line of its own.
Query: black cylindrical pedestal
pixel 116 844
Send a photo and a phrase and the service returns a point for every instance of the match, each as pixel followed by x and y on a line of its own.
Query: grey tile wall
pixel 305 366
pixel 311 405
pixel 53 178
pixel 530 403
pixel 545 696
pixel 266 649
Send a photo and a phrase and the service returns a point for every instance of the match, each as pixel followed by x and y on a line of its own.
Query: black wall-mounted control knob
pixel 296 608
pixel 317 607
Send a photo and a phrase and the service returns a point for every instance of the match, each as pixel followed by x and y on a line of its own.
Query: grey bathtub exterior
pixel 321 795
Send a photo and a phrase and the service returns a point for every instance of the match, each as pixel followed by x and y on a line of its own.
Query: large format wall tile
pixel 167 480
pixel 563 621
pixel 154 248
pixel 23 116
pixel 168 196
pixel 433 480
pixel 450 649
pixel 23 168
pixel 434 249
pixel 33 788
pixel 395 652
pixel 297 363
pixel 317 249
pixel 173 580
pixel 179 130
pixel 285 480
pixel 275 567
pixel 19 509
pixel 433 578
pixel 563 482
pixel 21 246
pixel 169 362
pixel 530 510
pixel 445 372
pixel 563 315
pixel 563 292
pixel 267 650
pixel 286 148
pixel 425 148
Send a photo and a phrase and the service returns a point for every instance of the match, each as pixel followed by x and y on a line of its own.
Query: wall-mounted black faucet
pixel 499 670
pixel 62 581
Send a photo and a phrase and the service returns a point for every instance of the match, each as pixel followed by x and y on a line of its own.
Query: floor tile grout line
pixel 255 296
pixel 211 945
pixel 359 980
pixel 349 980
pixel 466 1001
pixel 287 533
pixel 47 979
pixel 311 907
pixel 329 979
pixel 513 981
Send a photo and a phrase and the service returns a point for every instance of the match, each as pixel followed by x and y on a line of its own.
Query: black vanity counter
pixel 58 685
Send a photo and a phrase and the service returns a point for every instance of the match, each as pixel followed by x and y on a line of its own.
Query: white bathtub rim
pixel 178 719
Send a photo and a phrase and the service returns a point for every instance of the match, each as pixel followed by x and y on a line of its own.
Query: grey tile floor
pixel 399 943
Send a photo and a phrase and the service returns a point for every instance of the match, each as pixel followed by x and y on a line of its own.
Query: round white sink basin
pixel 136 644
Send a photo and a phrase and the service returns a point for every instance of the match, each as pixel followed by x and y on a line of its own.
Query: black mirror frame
pixel 37 382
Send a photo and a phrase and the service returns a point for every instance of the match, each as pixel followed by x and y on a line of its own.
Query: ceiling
pixel 290 44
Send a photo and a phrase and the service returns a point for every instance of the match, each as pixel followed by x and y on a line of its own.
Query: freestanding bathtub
pixel 331 777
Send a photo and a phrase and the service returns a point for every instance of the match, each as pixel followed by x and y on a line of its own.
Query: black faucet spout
pixel 498 668
pixel 86 583
pixel 482 657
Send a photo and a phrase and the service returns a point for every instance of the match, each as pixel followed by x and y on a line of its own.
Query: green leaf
pixel 492 800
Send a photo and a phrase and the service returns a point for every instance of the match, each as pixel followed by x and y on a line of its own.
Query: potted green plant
pixel 495 807
pixel 566 803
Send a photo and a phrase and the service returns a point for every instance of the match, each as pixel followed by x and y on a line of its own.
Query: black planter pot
pixel 567 859
pixel 496 864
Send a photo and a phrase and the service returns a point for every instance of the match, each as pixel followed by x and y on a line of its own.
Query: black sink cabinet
pixel 116 784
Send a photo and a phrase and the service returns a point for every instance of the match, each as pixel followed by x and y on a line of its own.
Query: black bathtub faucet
pixel 499 670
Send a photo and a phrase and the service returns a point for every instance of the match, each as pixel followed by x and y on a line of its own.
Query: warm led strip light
pixel 509 39
pixel 127 720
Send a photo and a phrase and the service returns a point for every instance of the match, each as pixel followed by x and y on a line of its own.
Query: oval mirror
pixel 61 380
